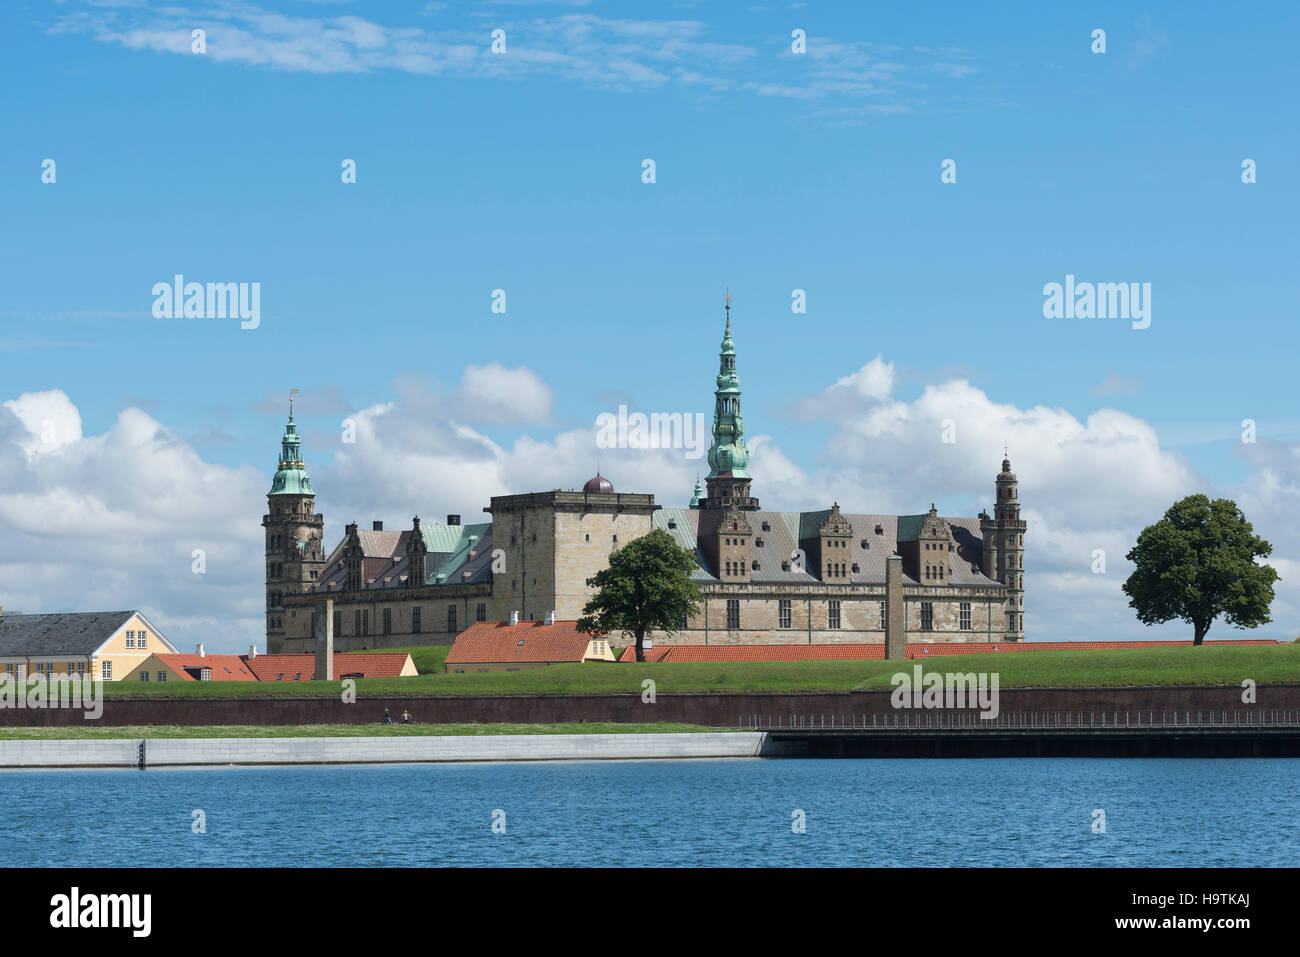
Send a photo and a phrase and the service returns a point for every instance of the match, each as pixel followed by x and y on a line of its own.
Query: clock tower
pixel 294 552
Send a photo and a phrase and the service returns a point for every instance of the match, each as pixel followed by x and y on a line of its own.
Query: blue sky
pixel 775 172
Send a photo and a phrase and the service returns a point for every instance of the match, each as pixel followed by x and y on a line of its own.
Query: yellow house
pixel 96 644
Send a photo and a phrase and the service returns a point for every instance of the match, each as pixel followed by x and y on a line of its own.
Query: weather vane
pixel 292 393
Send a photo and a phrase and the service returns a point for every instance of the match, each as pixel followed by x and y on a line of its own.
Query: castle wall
pixel 860 618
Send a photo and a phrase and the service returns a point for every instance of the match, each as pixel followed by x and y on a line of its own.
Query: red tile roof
pixel 223 667
pixel 528 641
pixel 866 652
pixel 368 665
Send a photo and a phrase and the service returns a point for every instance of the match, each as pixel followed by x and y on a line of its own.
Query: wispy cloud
pixel 575 46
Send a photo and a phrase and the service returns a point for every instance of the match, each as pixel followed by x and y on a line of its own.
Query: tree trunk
pixel 1202 625
pixel 640 644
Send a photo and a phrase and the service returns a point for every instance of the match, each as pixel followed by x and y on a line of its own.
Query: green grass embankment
pixel 1182 665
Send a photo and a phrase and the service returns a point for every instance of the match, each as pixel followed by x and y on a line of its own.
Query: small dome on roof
pixel 598 484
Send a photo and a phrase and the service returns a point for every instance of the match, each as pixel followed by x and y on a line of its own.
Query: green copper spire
pixel 728 454
pixel 699 493
pixel 291 475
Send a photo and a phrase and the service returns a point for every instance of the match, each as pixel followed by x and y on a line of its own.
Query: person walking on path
pixel 388 716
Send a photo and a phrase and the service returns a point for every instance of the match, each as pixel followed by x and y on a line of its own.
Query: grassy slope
pixel 91 730
pixel 428 659
pixel 1210 665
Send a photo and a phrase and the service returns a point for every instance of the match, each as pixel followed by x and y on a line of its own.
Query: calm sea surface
pixel 910 813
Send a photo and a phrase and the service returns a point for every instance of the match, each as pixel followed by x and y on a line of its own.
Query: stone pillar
pixel 325 641
pixel 895 610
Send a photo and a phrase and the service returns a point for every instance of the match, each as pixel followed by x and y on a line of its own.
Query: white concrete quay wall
pixel 173 752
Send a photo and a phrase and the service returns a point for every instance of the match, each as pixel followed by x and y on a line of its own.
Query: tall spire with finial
pixel 728 480
pixel 291 474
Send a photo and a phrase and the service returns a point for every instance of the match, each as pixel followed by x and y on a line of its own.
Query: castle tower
pixel 697 494
pixel 728 480
pixel 294 553
pixel 1010 537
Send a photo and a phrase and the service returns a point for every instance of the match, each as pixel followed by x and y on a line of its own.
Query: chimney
pixel 895 609
pixel 550 617
pixel 252 651
pixel 200 650
pixel 376 526
pixel 324 634
pixel 453 519
pixel 514 618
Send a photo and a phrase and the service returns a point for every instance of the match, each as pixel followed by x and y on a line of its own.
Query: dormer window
pixel 879 530
pixel 767 527
pixel 672 523
pixel 758 542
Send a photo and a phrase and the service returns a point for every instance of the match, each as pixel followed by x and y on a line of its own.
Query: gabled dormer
pixel 934 545
pixel 416 550
pixel 835 544
pixel 354 557
pixel 729 545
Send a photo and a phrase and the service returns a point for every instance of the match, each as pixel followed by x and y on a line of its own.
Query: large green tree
pixel 1199 562
pixel 647 587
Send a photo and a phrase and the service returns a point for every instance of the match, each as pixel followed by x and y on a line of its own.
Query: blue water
pixel 1166 812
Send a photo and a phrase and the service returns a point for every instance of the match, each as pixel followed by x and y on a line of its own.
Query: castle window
pixel 588 538
pixel 140 639
pixel 451 617
pixel 388 621
pixel 733 613
pixel 356 623
pixel 927 616
pixel 144 676
pixel 365 620
pixel 615 539
pixel 833 614
pixel 107 670
pixel 338 623
pixel 1011 621
pixel 415 620
pixel 883 619
pixel 130 639
pixel 480 613
pixel 964 619
pixel 783 613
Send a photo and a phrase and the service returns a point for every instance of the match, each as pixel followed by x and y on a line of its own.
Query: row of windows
pixel 136 639
pixel 361 619
pixel 833 617
pixel 162 675
pixel 71 669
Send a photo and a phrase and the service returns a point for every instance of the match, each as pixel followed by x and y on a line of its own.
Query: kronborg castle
pixel 766 577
